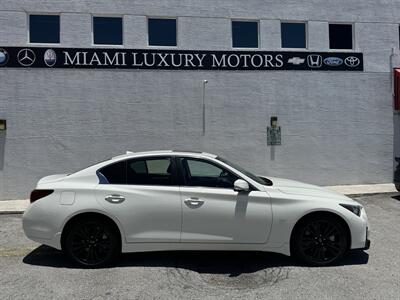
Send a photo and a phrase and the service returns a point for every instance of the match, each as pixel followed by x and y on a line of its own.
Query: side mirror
pixel 241 186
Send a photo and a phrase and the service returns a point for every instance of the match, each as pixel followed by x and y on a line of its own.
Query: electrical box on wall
pixel 273 132
pixel 396 91
pixel 3 125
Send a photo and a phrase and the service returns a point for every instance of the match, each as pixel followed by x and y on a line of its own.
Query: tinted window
pixel 340 36
pixel 162 32
pixel 293 35
pixel 44 29
pixel 202 173
pixel 107 30
pixel 113 174
pixel 244 34
pixel 153 171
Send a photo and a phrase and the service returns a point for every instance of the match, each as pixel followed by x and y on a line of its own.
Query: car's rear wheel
pixel 320 241
pixel 92 242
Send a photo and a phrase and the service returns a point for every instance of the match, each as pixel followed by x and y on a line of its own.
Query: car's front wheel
pixel 320 241
pixel 92 242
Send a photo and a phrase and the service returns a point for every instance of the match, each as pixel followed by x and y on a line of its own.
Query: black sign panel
pixel 96 58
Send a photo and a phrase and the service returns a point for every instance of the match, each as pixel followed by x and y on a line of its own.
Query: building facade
pixel 337 127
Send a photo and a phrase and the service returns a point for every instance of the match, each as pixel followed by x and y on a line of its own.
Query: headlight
pixel 355 209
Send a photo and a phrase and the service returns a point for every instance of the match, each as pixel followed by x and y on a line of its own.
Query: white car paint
pixel 158 218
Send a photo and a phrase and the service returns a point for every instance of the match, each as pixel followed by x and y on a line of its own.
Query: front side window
pixel 162 32
pixel 150 171
pixel 44 29
pixel 199 172
pixel 293 35
pixel 340 36
pixel 244 34
pixel 107 30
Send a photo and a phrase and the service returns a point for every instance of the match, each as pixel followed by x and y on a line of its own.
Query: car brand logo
pixel 314 61
pixel 3 57
pixel 26 57
pixel 296 60
pixel 50 57
pixel 333 61
pixel 352 61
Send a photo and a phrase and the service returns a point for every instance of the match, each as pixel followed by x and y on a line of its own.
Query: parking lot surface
pixel 31 271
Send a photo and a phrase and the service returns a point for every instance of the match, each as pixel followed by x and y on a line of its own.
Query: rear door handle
pixel 115 198
pixel 193 202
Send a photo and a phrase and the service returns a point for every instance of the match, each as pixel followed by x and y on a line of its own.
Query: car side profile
pixel 179 200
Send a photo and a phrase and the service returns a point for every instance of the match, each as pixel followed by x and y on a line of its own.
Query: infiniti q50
pixel 177 200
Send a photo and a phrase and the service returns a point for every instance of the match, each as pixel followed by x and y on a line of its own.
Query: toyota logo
pixel 352 61
pixel 26 57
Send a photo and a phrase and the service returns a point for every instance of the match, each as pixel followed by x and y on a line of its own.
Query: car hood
pixel 293 187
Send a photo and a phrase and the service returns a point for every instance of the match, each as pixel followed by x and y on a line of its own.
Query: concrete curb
pixel 10 207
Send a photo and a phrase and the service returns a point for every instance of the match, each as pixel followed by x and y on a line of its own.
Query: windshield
pixel 257 179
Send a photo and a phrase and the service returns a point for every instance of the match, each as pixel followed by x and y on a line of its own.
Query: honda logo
pixel 314 61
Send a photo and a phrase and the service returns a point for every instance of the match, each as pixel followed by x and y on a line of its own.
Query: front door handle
pixel 193 202
pixel 115 198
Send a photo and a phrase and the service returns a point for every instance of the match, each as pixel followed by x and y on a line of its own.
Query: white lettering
pixel 217 63
pixel 69 60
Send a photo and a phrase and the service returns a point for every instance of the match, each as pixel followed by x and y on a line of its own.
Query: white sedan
pixel 178 200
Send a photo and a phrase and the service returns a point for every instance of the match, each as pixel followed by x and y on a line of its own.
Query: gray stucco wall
pixel 337 127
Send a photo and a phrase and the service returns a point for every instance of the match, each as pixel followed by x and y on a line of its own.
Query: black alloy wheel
pixel 320 241
pixel 92 243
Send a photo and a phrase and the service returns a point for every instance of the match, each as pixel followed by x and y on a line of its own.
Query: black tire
pixel 397 185
pixel 320 240
pixel 92 242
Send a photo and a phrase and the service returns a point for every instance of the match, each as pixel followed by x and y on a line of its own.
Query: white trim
pixel 107 16
pixel 353 41
pixel 306 35
pixel 176 32
pixel 28 25
pixel 258 34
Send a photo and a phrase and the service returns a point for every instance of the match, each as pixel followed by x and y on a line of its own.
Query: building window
pixel 107 30
pixel 340 36
pixel 162 32
pixel 293 35
pixel 244 34
pixel 44 29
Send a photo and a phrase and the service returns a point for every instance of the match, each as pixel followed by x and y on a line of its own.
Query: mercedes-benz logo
pixel 26 57
pixel 352 61
pixel 3 57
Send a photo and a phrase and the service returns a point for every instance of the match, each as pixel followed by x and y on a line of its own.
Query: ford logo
pixel 333 61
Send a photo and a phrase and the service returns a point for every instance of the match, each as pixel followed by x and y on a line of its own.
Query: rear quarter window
pixel 113 174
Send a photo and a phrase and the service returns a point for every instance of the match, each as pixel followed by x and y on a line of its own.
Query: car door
pixel 142 193
pixel 212 212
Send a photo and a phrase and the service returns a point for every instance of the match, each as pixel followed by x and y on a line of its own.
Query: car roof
pixel 164 152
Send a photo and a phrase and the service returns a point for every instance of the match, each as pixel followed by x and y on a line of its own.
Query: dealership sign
pixel 96 58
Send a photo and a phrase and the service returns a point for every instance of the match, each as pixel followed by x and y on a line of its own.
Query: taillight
pixel 37 194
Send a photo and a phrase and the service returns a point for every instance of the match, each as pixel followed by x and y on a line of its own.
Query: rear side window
pixel 113 174
pixel 150 171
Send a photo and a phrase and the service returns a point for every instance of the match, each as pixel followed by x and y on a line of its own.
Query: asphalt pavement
pixel 31 271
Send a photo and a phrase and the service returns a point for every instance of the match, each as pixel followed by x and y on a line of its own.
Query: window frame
pixel 353 42
pixel 305 33
pixel 107 16
pixel 258 33
pixel 176 32
pixel 29 14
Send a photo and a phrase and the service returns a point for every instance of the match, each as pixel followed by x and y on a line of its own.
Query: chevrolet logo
pixel 296 60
